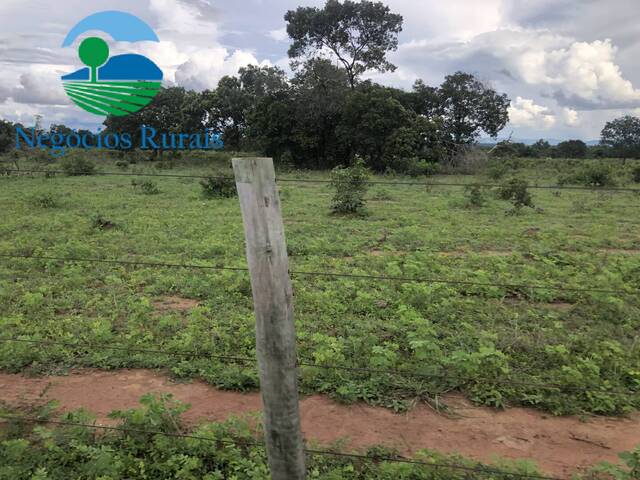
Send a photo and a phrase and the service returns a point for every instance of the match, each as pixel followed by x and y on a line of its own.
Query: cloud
pixel 206 67
pixel 40 85
pixel 279 35
pixel 570 117
pixel 524 112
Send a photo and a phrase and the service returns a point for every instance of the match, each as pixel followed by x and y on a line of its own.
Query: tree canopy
pixel 359 34
pixel 622 135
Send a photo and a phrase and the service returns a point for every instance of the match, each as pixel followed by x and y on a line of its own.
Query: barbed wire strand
pixel 306 363
pixel 353 276
pixel 319 181
pixel 376 458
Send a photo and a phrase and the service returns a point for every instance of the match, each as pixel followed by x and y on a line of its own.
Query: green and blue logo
pixel 117 85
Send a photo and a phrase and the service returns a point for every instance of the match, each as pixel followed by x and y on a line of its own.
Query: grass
pixel 565 352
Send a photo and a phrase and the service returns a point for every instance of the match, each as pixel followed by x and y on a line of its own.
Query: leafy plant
pixel 98 221
pixel 516 191
pixel 75 164
pixel 218 187
pixel 350 185
pixel 596 174
pixel 45 200
pixel 475 195
pixel 147 187
pixel 635 174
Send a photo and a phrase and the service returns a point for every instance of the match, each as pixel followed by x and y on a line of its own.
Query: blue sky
pixel 568 65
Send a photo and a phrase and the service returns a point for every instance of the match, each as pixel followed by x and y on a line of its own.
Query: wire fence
pixel 594 188
pixel 307 363
pixel 304 362
pixel 353 276
pixel 479 469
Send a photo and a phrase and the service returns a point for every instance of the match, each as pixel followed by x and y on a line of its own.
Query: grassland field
pixel 561 351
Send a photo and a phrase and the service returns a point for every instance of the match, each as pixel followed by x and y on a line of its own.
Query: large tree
pixel 572 149
pixel 470 108
pixel 623 136
pixel 228 107
pixel 7 136
pixel 359 34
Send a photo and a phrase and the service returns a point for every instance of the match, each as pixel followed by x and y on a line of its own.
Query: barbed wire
pixel 303 362
pixel 373 458
pixel 352 276
pixel 370 182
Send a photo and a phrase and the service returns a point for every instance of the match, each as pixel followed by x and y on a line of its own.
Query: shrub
pixel 76 165
pixel 635 173
pixel 516 191
pixel 122 164
pixel 218 187
pixel 351 185
pixel 101 223
pixel 591 175
pixel 147 187
pixel 46 200
pixel 474 195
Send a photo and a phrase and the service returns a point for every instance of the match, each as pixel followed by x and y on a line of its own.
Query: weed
pixel 474 195
pixel 99 222
pixel 45 200
pixel 147 187
pixel 218 187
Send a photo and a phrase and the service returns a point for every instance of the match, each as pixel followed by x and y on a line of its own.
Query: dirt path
pixel 557 444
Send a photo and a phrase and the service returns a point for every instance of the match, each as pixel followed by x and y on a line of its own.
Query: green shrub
pixel 147 187
pixel 591 175
pixel 218 187
pixel 474 195
pixel 635 174
pixel 46 200
pixel 123 164
pixel 77 165
pixel 516 191
pixel 99 222
pixel 351 185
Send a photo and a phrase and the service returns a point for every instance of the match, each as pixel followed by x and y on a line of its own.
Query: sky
pixel 568 66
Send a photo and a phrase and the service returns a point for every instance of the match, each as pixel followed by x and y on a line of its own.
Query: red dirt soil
pixel 559 445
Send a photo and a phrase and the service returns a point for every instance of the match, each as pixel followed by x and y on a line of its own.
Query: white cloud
pixel 524 112
pixel 570 117
pixel 279 35
pixel 206 67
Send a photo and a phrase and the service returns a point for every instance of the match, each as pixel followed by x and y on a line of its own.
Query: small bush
pixel 218 187
pixel 497 170
pixel 591 175
pixel 76 165
pixel 351 185
pixel 475 196
pixel 635 174
pixel 122 164
pixel 516 191
pixel 101 223
pixel 46 200
pixel 147 187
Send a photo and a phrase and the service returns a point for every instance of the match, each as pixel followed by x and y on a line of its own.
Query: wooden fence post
pixel 273 304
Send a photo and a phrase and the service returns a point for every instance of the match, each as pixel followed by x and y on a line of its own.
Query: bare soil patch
pixel 174 304
pixel 559 445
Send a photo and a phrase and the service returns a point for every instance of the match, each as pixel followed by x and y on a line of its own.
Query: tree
pixel 7 136
pixel 541 148
pixel 623 136
pixel 571 149
pixel 228 107
pixel 470 108
pixel 370 116
pixel 359 34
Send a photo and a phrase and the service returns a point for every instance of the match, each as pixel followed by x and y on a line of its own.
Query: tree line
pixel 326 114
